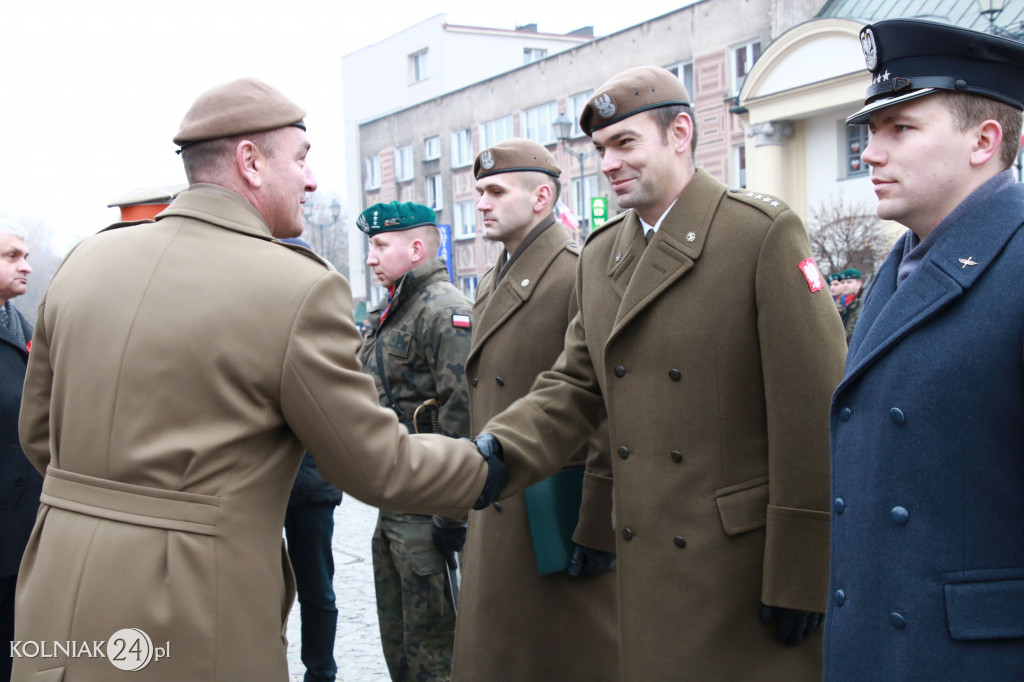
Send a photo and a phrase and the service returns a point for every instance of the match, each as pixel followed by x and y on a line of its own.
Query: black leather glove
pixel 792 625
pixel 449 539
pixel 497 474
pixel 589 561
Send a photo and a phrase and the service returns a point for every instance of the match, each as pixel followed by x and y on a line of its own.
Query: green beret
pixel 851 273
pixel 237 108
pixel 513 156
pixel 394 216
pixel 834 277
pixel 634 90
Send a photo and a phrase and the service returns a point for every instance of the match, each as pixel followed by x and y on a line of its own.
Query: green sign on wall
pixel 598 211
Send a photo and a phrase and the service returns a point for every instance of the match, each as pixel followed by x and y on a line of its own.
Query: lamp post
pixel 991 9
pixel 563 126
pixel 321 247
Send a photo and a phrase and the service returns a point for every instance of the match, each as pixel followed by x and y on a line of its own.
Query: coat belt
pixel 128 503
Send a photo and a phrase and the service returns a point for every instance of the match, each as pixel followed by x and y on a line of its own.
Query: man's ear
pixel 249 161
pixel 542 199
pixel 416 250
pixel 988 140
pixel 681 132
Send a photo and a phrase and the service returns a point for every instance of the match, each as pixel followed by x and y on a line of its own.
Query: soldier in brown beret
pixel 707 336
pixel 179 369
pixel 560 625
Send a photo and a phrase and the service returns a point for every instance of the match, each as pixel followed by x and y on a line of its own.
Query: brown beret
pixel 237 108
pixel 630 92
pixel 514 156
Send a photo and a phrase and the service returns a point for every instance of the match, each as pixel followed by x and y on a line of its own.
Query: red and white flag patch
pixel 461 321
pixel 812 274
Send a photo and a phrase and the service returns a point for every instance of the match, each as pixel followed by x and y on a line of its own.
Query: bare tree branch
pixel 847 235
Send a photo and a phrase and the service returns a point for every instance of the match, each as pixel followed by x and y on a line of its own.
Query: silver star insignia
pixel 690 236
pixel 967 261
pixel 749 194
pixel 775 203
pixel 885 76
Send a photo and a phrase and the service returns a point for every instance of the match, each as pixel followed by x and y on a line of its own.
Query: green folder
pixel 553 507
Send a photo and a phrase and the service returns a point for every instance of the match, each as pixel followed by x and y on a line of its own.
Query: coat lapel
pixel 7 337
pixel 499 302
pixel 646 273
pixel 951 267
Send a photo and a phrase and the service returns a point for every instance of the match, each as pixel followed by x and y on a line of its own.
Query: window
pixel 493 132
pixel 536 123
pixel 743 58
pixel 418 66
pixel 468 286
pixel 403 163
pixel 739 156
pixel 373 172
pixel 574 107
pixel 856 140
pixel 435 198
pixel 465 219
pixel 432 148
pixel 462 148
pixel 684 72
pixel 533 54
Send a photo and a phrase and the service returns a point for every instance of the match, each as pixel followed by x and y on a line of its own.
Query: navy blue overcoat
pixel 927 550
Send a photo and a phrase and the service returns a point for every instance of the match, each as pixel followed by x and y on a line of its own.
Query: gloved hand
pixel 589 561
pixel 793 625
pixel 497 475
pixel 449 539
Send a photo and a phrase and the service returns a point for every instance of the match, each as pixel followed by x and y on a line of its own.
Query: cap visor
pixel 864 115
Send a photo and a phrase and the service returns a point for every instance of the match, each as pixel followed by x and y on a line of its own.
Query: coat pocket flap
pixel 993 609
pixel 743 507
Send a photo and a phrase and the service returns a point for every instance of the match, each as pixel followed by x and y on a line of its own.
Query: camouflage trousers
pixel 417 623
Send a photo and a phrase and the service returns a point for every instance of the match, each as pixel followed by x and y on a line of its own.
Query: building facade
pixel 425 152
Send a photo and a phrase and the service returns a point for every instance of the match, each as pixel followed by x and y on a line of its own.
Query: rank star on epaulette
pixel 461 322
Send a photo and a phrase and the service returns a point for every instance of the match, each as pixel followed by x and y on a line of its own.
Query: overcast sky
pixel 91 93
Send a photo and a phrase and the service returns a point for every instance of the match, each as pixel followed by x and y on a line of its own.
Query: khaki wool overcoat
pixel 515 624
pixel 178 371
pixel 715 349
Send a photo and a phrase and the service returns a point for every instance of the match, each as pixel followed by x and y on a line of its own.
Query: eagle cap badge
pixel 605 105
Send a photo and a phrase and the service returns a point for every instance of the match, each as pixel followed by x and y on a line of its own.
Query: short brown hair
pixel 531 180
pixel 970 110
pixel 665 116
pixel 205 159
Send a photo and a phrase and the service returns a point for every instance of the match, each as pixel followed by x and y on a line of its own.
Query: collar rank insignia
pixel 966 261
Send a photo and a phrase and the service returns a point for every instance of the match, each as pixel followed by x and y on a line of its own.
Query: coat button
pixel 675 374
pixel 897 416
pixel 475 381
pixel 620 371
pixel 628 534
pixel 623 452
pixel 845 414
pixel 838 506
pixel 839 597
pixel 676 456
pixel 497 506
pixel 499 381
pixel 680 542
pixel 900 515
pixel 897 620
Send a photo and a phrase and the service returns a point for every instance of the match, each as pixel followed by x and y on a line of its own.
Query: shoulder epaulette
pixel 126 223
pixel 767 203
pixel 309 253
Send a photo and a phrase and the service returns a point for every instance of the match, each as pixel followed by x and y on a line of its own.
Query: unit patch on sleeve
pixel 812 275
pixel 461 321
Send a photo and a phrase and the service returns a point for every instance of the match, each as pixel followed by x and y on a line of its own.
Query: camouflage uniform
pixel 423 354
pixel 849 315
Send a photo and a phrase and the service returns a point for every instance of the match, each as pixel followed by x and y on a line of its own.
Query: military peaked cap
pixel 910 58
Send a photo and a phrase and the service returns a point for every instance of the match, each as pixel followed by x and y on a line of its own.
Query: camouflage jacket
pixel 849 315
pixel 424 341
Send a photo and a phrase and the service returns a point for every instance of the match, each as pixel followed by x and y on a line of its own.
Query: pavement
pixel 357 646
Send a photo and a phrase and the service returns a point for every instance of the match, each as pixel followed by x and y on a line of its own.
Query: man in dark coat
pixel 20 483
pixel 927 577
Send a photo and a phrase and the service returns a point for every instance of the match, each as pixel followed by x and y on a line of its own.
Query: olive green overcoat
pixel 715 349
pixel 515 624
pixel 178 372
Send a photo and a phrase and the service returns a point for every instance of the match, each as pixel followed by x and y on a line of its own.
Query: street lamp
pixel 321 227
pixel 563 126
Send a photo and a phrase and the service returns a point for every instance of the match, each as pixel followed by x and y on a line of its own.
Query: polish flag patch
pixel 812 274
pixel 461 321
